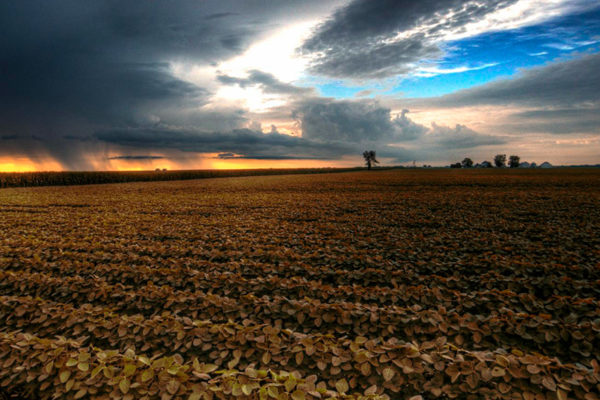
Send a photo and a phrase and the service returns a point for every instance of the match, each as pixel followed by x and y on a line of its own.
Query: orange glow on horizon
pixel 189 162
pixel 241 163
pixel 25 164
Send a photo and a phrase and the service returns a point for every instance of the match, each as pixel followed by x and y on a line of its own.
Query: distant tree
pixel 500 160
pixel 486 164
pixel 467 163
pixel 369 156
pixel 513 161
pixel 456 165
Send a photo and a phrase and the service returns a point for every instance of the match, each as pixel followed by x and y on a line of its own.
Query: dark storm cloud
pixel 71 67
pixel 267 82
pixel 231 156
pixel 135 158
pixel 360 40
pixel 220 15
pixel 245 142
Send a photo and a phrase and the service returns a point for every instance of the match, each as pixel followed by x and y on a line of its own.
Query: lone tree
pixel 500 160
pixel 514 161
pixel 467 163
pixel 369 156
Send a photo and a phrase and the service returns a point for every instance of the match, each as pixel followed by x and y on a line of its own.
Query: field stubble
pixel 403 283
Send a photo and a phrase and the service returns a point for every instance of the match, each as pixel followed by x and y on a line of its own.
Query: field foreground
pixel 410 284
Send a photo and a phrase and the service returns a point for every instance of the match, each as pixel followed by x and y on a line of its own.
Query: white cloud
pixel 433 71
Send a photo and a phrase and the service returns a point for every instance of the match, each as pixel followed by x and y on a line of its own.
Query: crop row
pixel 151 298
pixel 268 259
pixel 568 339
pixel 46 369
pixel 34 364
pixel 324 283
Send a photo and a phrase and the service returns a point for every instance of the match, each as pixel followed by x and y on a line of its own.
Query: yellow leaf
pixel 388 374
pixel 96 371
pixel 124 385
pixel 371 390
pixel 64 376
pixel 83 366
pixel 290 383
pixel 236 390
pixel 147 375
pixel 129 369
pixel 231 364
pixel 145 360
pixel 208 368
pixel 273 392
pixel 49 367
pixel 71 362
pixel 341 386
pixel 246 389
pixel 298 395
pixel 173 386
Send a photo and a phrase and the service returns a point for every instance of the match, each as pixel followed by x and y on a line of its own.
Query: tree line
pixel 499 162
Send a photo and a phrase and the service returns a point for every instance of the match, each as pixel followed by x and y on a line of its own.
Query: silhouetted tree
pixel 467 163
pixel 513 161
pixel 500 160
pixel 369 156
pixel 456 165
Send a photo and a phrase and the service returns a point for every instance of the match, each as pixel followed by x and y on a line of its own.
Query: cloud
pixel 380 38
pixel 559 83
pixel 267 82
pixel 557 98
pixel 136 158
pixel 459 137
pixel 377 38
pixel 353 121
pixel 366 123
pixel 71 68
pixel 243 142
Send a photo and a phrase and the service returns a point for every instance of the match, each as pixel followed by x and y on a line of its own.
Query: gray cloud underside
pixel 358 41
pixel 367 122
pixel 245 142
pixel 267 82
pixel 560 98
pixel 136 158
pixel 331 129
pixel 565 83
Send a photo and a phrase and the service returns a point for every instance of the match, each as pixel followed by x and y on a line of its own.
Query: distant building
pixel 546 164
pixel 524 164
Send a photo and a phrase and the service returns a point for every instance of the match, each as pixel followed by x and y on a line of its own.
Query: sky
pixel 191 84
